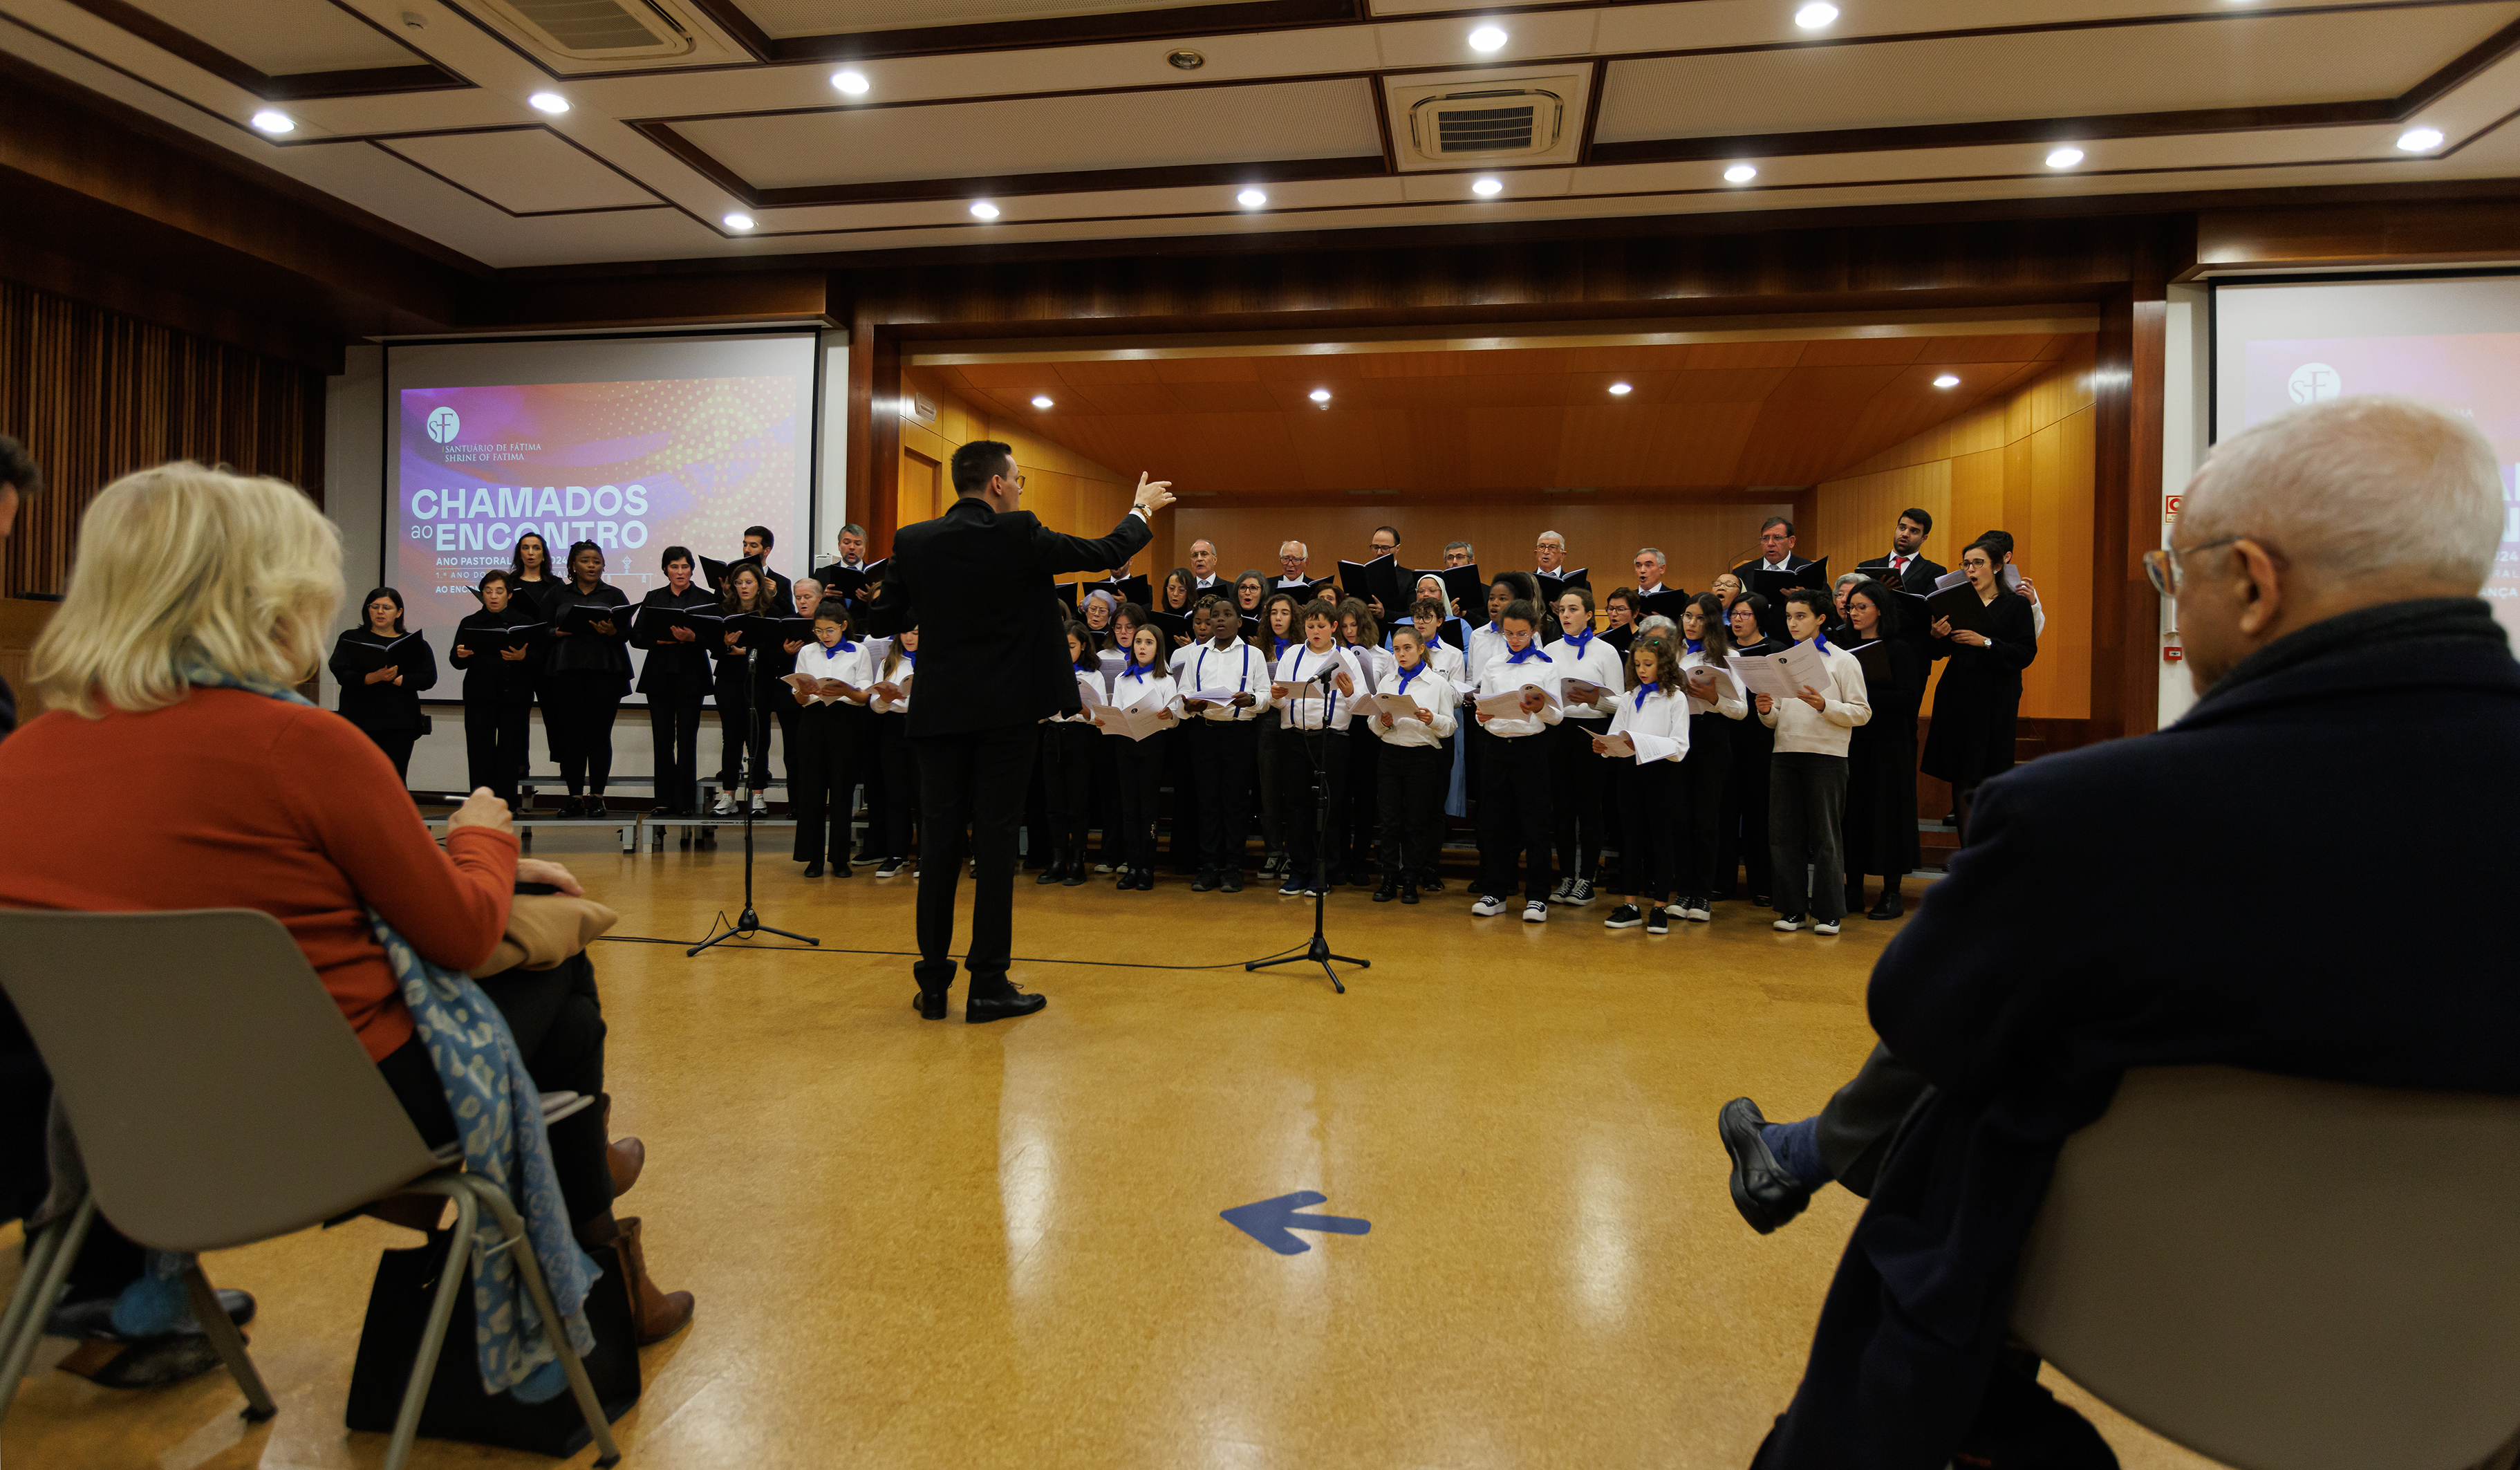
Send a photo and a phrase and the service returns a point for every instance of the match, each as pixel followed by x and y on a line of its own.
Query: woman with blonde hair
pixel 177 768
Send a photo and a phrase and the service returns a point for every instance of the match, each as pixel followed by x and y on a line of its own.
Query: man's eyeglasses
pixel 2161 567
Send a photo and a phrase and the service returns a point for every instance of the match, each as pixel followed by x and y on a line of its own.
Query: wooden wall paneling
pixel 875 423
pixel 2140 613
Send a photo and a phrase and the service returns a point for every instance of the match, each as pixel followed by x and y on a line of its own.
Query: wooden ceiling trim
pixel 1176 23
pixel 427 74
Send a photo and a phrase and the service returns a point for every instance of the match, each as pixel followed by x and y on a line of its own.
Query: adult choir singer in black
pixel 986 681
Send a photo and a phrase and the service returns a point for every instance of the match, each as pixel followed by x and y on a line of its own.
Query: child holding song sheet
pixel 1807 780
pixel 1518 699
pixel 1647 743
pixel 1143 706
pixel 827 690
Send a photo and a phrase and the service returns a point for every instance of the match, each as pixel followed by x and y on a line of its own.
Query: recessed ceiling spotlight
pixel 275 122
pixel 1815 15
pixel 2419 140
pixel 850 83
pixel 1740 173
pixel 1251 198
pixel 1187 60
pixel 1947 380
pixel 548 101
pixel 1041 400
pixel 1487 38
pixel 1487 188
pixel 1621 390
pixel 1320 396
pixel 981 208
pixel 2064 158
pixel 739 222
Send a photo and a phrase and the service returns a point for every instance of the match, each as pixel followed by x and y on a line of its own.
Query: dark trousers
pixel 1649 795
pixel 970 799
pixel 1273 828
pixel 898 760
pixel 579 721
pixel 557 1020
pixel 1067 786
pixel 1742 832
pixel 1226 766
pixel 1106 797
pixel 1142 773
pixel 674 728
pixel 1298 808
pixel 737 738
pixel 1411 781
pixel 1576 777
pixel 824 754
pixel 494 747
pixel 1514 816
pixel 397 744
pixel 1182 768
pixel 1858 1124
pixel 1702 778
pixel 1806 805
pixel 1358 825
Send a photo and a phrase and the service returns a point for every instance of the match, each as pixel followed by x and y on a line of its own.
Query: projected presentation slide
pixel 635 445
pixel 2450 343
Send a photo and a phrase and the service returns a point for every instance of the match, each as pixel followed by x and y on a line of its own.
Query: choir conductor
pixel 984 687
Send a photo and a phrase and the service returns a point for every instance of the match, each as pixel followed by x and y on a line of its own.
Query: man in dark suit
pixel 1908 569
pixel 1776 550
pixel 986 683
pixel 2009 1005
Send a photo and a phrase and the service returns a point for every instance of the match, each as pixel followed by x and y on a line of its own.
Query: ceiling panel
pixel 277 37
pixel 795 17
pixel 527 171
pixel 1314 119
pixel 2238 61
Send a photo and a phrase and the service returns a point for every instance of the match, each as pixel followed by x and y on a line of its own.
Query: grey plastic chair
pixel 218 1098
pixel 2288 1274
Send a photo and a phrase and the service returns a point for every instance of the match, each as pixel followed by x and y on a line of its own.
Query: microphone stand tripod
pixel 750 924
pixel 1319 952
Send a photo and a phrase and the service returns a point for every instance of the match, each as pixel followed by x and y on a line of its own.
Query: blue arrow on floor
pixel 1272 1222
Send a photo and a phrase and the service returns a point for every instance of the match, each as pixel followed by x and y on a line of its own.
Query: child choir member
pixel 1312 743
pixel 1279 631
pixel 1741 843
pixel 589 676
pixel 1654 717
pixel 1184 771
pixel 822 752
pixel 1589 680
pixel 1881 755
pixel 383 698
pixel 1142 683
pixel 1361 636
pixel 1716 708
pixel 1416 762
pixel 742 687
pixel 1067 749
pixel 1513 781
pixel 1228 732
pixel 495 647
pixel 894 761
pixel 1807 787
pixel 676 679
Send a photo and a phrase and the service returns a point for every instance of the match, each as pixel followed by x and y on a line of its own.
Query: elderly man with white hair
pixel 2325 569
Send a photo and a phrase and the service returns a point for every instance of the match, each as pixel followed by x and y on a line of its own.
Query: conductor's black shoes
pixel 930 1005
pixel 1764 1192
pixel 1013 1003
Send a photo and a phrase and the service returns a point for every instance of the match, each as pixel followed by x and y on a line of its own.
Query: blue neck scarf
pixel 1693 645
pixel 1493 630
pixel 1645 689
pixel 1819 641
pixel 1283 643
pixel 1133 670
pixel 1407 674
pixel 1534 650
pixel 1580 641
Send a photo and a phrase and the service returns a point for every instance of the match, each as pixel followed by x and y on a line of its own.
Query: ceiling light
pixel 1320 396
pixel 981 208
pixel 1740 173
pixel 275 122
pixel 1620 390
pixel 2064 158
pixel 739 222
pixel 1251 198
pixel 1814 16
pixel 1488 188
pixel 548 101
pixel 2419 140
pixel 1946 380
pixel 1041 400
pixel 850 83
pixel 1487 38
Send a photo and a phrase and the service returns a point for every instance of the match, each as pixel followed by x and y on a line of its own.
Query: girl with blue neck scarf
pixel 1143 682
pixel 1653 716
pixel 1591 679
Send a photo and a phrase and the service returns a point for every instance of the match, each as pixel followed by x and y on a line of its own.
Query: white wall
pixel 354 465
pixel 2186 397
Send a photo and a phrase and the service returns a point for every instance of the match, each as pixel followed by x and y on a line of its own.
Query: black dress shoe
pixel 1408 892
pixel 1766 1194
pixel 1359 877
pixel 1389 890
pixel 1077 873
pixel 1231 880
pixel 981 1008
pixel 813 870
pixel 1888 908
pixel 1057 872
pixel 1206 883
pixel 929 1004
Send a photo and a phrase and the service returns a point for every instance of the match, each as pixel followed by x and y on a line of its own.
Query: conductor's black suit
pixel 991 664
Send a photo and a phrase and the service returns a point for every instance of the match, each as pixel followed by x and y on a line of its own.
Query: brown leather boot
pixel 626 1158
pixel 658 1313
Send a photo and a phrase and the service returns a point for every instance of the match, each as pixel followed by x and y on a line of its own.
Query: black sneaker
pixel 1292 888
pixel 1625 916
pixel 1658 921
pixel 1577 892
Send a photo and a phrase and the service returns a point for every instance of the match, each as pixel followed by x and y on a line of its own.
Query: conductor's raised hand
pixel 482 809
pixel 1152 495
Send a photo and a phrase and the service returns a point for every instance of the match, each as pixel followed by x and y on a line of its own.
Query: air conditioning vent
pixel 1492 124
pixel 599 29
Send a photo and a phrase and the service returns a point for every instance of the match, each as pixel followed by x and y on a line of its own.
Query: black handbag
pixel 457 1407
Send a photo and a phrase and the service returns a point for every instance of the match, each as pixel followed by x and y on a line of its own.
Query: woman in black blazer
pixel 1880 830
pixel 382 669
pixel 737 698
pixel 535 580
pixel 676 678
pixel 1979 697
pixel 498 682
pixel 588 679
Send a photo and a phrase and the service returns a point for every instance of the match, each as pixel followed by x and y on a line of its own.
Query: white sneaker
pixel 1536 911
pixel 1825 926
pixel 1487 907
pixel 1788 922
pixel 1102 867
pixel 724 805
pixel 1697 908
pixel 760 807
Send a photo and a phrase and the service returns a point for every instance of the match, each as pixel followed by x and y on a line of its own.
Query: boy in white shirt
pixel 1229 740
pixel 1807 775
pixel 1312 723
pixel 1513 777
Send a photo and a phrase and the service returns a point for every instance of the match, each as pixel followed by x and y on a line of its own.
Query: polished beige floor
pixel 938 1245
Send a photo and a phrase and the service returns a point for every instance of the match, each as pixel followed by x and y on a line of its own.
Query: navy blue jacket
pixel 2161 901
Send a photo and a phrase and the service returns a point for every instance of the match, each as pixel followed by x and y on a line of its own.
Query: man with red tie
pixel 1906 566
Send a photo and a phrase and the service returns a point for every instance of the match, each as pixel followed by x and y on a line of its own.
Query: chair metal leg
pixel 441 1309
pixel 229 1344
pixel 529 1269
pixel 37 1290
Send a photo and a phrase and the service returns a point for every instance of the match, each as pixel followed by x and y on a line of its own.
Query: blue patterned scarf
pixel 499 1116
